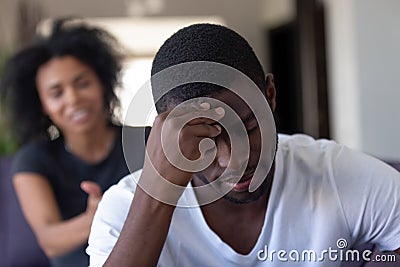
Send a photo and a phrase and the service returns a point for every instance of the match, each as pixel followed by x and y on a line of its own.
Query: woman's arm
pixel 40 208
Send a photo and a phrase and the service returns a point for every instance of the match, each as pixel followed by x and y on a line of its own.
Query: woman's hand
pixel 95 193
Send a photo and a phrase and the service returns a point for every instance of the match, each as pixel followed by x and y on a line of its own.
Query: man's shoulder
pixel 127 185
pixel 306 148
pixel 116 201
pixel 303 140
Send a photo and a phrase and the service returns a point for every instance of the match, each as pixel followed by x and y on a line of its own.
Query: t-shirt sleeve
pixel 369 191
pixel 109 219
pixel 31 158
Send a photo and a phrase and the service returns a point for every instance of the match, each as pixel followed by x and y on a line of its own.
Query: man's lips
pixel 233 177
pixel 241 185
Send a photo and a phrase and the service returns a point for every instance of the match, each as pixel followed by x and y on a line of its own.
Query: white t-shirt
pixel 325 198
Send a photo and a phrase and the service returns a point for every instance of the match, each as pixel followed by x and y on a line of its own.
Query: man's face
pixel 245 162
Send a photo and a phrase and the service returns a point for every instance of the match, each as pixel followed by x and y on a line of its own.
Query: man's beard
pixel 254 196
pixel 264 188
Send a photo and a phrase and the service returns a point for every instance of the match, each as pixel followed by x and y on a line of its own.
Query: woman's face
pixel 71 94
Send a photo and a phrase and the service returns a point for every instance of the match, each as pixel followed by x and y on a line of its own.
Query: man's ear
pixel 270 91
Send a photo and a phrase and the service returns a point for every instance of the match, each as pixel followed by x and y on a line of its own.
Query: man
pixel 313 201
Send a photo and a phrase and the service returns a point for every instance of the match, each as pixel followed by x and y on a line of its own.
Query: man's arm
pixel 144 233
pixel 146 227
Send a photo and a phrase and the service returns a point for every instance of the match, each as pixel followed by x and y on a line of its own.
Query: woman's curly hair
pixel 18 92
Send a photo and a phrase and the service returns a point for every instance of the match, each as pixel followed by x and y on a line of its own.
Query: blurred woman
pixel 60 95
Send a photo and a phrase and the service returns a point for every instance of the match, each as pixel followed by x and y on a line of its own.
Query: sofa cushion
pixel 18 245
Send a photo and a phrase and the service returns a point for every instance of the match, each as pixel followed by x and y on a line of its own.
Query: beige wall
pixel 246 17
pixel 363 52
pixel 7 22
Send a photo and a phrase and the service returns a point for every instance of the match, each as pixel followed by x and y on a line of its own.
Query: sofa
pixel 18 245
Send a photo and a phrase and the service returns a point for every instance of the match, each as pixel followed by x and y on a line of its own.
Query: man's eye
pixel 252 129
pixel 251 126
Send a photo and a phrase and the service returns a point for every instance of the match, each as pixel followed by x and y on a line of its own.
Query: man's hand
pixel 146 227
pixel 192 133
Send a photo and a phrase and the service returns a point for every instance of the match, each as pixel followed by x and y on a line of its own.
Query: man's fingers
pixel 204 116
pixel 203 130
pixel 186 108
pixel 194 109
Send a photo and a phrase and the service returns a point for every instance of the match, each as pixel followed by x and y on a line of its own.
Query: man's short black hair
pixel 204 42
